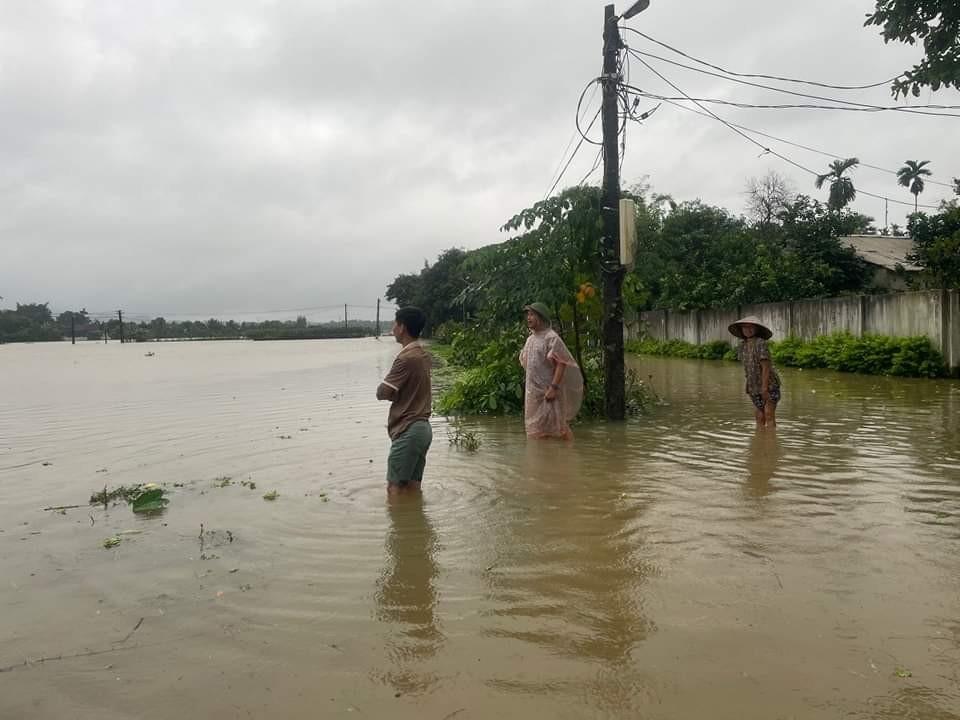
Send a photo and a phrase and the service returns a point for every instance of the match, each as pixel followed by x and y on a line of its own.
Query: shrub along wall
pixel 870 354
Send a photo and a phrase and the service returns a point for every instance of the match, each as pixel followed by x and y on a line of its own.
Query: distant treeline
pixel 35 322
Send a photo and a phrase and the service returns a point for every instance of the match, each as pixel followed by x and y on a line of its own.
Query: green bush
pixel 716 350
pixel 870 354
pixel 490 381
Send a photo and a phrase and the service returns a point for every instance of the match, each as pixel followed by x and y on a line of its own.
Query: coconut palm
pixel 842 191
pixel 911 176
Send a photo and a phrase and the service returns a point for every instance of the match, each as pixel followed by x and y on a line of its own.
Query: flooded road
pixel 681 566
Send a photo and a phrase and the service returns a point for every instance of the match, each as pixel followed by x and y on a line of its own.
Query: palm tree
pixel 911 176
pixel 842 191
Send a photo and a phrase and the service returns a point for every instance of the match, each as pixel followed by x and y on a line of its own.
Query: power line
pixel 575 150
pixel 583 136
pixel 834 156
pixel 915 110
pixel 593 169
pixel 573 135
pixel 749 139
pixel 793 106
pixel 759 75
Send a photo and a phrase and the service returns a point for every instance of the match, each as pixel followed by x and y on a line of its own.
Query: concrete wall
pixel 933 313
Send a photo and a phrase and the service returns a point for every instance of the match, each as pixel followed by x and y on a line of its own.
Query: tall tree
pixel 956 186
pixel 936 247
pixel 767 197
pixel 911 176
pixel 936 23
pixel 842 191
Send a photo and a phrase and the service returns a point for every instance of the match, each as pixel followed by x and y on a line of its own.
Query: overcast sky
pixel 233 156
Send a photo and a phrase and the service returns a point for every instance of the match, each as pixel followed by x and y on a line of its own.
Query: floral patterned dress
pixel 752 352
pixel 543 418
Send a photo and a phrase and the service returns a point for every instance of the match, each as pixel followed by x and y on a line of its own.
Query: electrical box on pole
pixel 628 232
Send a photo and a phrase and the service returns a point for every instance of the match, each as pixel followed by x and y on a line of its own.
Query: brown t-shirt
pixel 410 379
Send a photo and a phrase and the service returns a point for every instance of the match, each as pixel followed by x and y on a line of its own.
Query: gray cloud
pixel 212 157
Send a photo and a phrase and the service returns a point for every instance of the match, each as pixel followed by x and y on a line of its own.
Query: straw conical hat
pixel 762 330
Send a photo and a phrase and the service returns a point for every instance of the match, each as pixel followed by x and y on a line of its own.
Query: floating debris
pixel 222 481
pixel 464 439
pixel 150 500
pixel 111 542
pixel 272 495
pixel 123 492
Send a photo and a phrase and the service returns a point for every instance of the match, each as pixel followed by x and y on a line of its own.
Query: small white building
pixel 884 253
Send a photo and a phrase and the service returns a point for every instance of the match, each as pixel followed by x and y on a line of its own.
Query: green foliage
pixel 842 191
pixel 716 350
pixel 911 176
pixel 150 500
pixel 437 289
pixel 317 332
pixel 870 354
pixel 936 247
pixel 490 379
pixel 126 493
pixel 936 24
pixel 640 396
pixel 29 323
pixel 491 382
pixel 700 256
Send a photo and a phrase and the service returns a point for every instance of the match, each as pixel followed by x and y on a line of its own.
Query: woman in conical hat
pixel 763 381
pixel 554 386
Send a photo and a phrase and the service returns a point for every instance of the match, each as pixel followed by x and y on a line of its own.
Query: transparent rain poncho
pixel 542 352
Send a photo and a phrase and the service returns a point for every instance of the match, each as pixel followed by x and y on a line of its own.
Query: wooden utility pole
pixel 120 315
pixel 73 329
pixel 613 365
pixel 378 318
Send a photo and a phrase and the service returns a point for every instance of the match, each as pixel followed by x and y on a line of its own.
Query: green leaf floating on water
pixel 151 499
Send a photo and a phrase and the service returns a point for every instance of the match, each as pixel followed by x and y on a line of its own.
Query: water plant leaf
pixel 151 499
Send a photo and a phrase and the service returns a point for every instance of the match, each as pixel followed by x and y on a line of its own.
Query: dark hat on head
pixel 540 309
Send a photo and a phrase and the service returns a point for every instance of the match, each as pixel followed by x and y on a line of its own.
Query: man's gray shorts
pixel 408 454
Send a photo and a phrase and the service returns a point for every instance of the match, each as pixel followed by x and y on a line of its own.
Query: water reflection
pixel 762 459
pixel 406 596
pixel 572 568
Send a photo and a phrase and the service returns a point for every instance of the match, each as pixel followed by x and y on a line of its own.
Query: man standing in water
pixel 407 387
pixel 554 386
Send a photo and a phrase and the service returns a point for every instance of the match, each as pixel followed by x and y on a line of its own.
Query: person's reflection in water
pixel 764 454
pixel 571 574
pixel 406 596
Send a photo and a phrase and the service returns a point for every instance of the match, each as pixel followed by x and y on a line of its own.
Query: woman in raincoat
pixel 554 386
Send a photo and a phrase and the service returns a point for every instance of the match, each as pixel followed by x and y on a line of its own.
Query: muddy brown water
pixel 681 566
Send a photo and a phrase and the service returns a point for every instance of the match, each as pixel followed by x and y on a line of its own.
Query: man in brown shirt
pixel 407 387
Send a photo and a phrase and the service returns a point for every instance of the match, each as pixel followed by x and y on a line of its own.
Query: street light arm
pixel 635 9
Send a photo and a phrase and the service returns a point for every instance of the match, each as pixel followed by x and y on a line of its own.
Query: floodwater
pixel 681 566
